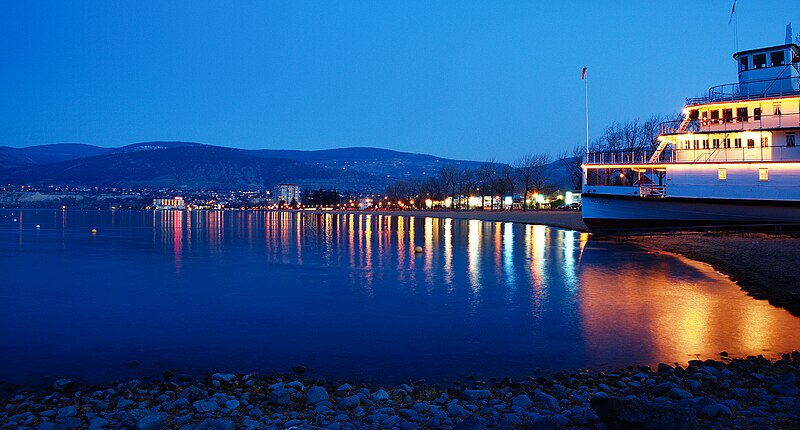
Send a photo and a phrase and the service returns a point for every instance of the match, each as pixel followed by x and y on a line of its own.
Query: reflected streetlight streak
pixel 448 253
pixel 474 254
pixel 508 259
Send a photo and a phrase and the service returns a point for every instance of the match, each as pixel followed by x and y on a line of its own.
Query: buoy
pixel 418 249
pixel 94 231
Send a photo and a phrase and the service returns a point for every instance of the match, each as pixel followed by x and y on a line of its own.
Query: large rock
pixel 545 398
pixel 522 401
pixel 470 423
pixel 152 422
pixel 349 402
pixel 473 395
pixel 629 414
pixel 281 396
pixel 193 394
pixel 316 395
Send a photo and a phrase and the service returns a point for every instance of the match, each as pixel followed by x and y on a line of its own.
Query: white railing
pixel 697 155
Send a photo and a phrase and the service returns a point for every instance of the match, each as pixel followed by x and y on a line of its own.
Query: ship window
pixel 715 117
pixel 741 114
pixel 743 63
pixel 790 139
pixel 722 174
pixel 765 141
pixel 694 114
pixel 728 143
pixel 759 61
pixel 776 109
pixel 751 143
pixel 777 58
pixel 704 117
pixel 763 174
pixel 727 114
pixel 716 143
pixel 705 143
pixel 757 114
pixel 696 144
pixel 737 142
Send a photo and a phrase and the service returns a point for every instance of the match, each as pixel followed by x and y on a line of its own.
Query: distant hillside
pixel 181 166
pixel 43 154
pixel 198 166
pixel 375 161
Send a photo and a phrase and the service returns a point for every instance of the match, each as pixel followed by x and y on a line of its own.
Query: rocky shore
pixel 711 394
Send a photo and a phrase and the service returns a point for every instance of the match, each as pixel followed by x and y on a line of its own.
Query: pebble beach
pixel 744 393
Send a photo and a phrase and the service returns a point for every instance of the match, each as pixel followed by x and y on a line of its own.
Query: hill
pixel 43 154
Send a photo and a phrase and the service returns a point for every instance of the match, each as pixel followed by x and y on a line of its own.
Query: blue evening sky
pixel 458 79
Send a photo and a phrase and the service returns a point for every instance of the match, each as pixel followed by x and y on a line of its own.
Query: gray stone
pixel 64 385
pixel 618 413
pixel 72 422
pixel 124 403
pixel 232 404
pixel 67 411
pixel 456 411
pixel 380 395
pixel 152 422
pixel 344 387
pixel 205 406
pixel 679 393
pixel 224 377
pixel 662 388
pixel 316 395
pixel 97 423
pixel 523 401
pixel 349 402
pixel 193 394
pixel 280 396
pixel 470 423
pixel 473 395
pixel 545 398
pixel 707 407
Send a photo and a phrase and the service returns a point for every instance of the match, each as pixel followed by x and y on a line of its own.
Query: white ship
pixel 732 160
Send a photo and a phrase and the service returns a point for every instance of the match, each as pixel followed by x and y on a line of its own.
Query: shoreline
pixel 763 266
pixel 745 393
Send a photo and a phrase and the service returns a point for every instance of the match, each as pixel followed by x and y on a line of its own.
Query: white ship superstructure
pixel 732 159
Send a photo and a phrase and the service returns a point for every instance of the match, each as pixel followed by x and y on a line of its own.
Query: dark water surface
pixel 347 296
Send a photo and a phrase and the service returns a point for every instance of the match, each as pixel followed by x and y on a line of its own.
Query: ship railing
pixel 656 191
pixel 756 89
pixel 750 121
pixel 629 156
pixel 712 154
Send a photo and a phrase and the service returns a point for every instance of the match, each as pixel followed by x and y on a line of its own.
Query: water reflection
pixel 532 296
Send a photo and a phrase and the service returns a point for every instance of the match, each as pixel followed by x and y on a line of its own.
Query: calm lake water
pixel 347 296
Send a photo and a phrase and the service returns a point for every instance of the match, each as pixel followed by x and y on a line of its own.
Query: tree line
pixel 531 173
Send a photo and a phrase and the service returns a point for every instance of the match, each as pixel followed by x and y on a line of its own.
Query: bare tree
pixel 510 178
pixel 449 176
pixel 573 162
pixel 486 174
pixel 531 169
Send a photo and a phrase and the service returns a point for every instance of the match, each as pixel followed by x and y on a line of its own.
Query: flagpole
pixel 586 98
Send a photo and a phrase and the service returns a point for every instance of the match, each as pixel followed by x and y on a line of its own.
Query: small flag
pixel 733 11
pixel 583 74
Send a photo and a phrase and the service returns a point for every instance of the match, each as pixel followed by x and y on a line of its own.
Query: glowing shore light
pixel 474 201
pixel 428 203
pixel 539 198
pixel 508 200
pixel 568 199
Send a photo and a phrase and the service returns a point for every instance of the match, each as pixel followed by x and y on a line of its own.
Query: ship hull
pixel 608 213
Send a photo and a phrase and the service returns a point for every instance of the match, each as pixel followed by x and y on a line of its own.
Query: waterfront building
pixel 732 159
pixel 286 193
pixel 173 203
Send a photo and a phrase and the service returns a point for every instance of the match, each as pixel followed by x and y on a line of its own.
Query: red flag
pixel 583 73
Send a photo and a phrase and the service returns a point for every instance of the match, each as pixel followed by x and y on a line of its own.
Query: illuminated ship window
pixel 757 114
pixel 737 142
pixel 763 174
pixel 777 58
pixel 759 61
pixel 715 117
pixel 716 143
pixel 727 114
pixel 705 143
pixel 765 141
pixel 741 114
pixel 751 143
pixel 722 174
